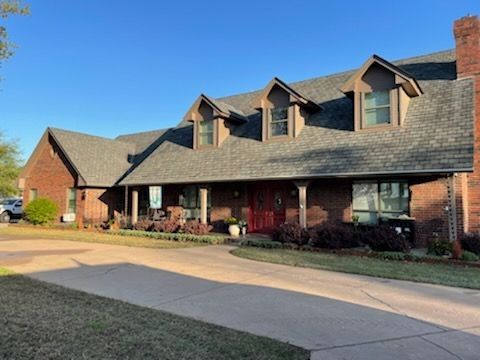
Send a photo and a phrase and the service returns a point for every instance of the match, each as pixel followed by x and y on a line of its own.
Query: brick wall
pixel 51 176
pixel 467 38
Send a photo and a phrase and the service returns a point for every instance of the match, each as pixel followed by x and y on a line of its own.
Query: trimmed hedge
pixel 266 244
pixel 204 239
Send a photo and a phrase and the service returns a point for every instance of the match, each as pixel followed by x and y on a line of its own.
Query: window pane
pixel 206 125
pixel 365 196
pixel 72 200
pixel 33 194
pixel 206 138
pixel 377 116
pixel 190 197
pixel 279 114
pixel 366 217
pixel 394 197
pixel 377 98
pixel 279 128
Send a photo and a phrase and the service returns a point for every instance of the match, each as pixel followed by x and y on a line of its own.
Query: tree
pixel 8 8
pixel 9 166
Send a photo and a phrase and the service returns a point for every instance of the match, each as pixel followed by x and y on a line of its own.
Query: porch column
pixel 134 206
pixel 302 202
pixel 203 205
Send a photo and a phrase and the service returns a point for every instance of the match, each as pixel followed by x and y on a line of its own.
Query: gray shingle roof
pixel 437 135
pixel 99 161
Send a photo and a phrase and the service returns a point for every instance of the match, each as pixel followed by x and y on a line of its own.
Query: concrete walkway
pixel 336 316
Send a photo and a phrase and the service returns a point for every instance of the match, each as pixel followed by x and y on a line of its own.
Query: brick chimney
pixel 467 39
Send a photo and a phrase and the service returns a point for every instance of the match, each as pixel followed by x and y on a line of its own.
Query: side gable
pixel 48 141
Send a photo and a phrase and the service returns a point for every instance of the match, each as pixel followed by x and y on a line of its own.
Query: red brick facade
pixel 51 175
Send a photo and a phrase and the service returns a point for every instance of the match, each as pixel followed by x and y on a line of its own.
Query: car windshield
pixel 9 202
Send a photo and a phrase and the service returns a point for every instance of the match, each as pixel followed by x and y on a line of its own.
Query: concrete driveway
pixel 336 316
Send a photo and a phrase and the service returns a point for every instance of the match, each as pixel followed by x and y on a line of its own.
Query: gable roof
pixel 404 78
pixel 222 109
pixel 300 98
pixel 99 161
pixel 437 136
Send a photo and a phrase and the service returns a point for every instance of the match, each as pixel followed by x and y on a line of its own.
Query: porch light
pixel 236 194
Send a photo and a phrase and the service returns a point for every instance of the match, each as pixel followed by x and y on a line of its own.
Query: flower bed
pixel 360 252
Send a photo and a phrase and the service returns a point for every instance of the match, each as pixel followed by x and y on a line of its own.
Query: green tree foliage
pixel 8 8
pixel 41 211
pixel 9 166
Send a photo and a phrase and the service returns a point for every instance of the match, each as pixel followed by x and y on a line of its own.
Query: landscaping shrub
pixel 385 238
pixel 469 256
pixel 291 234
pixel 267 244
pixel 41 211
pixel 166 226
pixel 439 247
pixel 197 228
pixel 392 255
pixel 205 239
pixel 332 236
pixel 145 225
pixel 471 242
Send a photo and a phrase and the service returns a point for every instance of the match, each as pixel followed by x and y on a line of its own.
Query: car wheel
pixel 5 217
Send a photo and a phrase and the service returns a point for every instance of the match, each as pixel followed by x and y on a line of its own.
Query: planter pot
pixel 234 230
pixel 244 231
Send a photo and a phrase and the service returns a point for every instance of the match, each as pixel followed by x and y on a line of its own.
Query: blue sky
pixel 113 67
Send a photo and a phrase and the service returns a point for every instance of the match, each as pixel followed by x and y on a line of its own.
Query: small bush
pixel 144 225
pixel 385 238
pixel 41 211
pixel 471 242
pixel 392 255
pixel 439 247
pixel 469 256
pixel 167 226
pixel 291 234
pixel 267 244
pixel 197 228
pixel 332 236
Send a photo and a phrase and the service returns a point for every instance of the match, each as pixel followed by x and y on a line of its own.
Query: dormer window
pixel 205 132
pixel 213 121
pixel 283 110
pixel 377 108
pixel 381 93
pixel 279 121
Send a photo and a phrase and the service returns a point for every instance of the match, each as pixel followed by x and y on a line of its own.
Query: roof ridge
pixel 143 132
pixel 81 133
pixel 298 82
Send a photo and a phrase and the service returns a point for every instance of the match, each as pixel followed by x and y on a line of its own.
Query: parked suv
pixel 10 209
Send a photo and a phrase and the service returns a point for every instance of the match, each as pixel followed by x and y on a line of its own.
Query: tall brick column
pixel 467 39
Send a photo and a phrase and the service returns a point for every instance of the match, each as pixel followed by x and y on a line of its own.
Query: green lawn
pixel 92 237
pixel 443 274
pixel 40 320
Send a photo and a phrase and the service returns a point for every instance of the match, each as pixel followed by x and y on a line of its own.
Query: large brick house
pixel 390 140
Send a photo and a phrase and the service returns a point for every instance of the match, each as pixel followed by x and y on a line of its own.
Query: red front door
pixel 267 207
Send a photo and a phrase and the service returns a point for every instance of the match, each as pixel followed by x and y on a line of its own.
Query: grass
pixel 41 320
pixel 442 274
pixel 93 237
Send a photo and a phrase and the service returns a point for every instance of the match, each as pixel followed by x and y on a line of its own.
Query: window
pixel 190 200
pixel 375 200
pixel 71 200
pixel 377 108
pixel 279 121
pixel 205 132
pixel 33 194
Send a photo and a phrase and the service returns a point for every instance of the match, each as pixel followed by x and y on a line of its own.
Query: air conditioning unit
pixel 68 217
